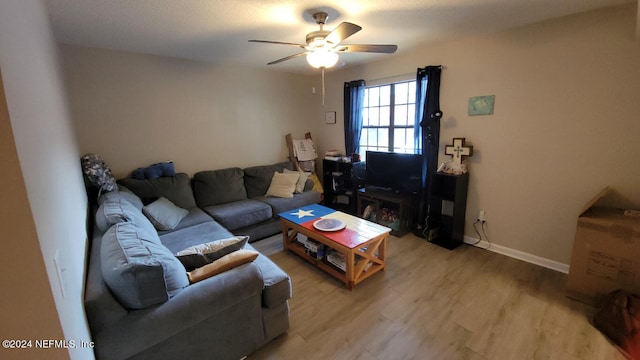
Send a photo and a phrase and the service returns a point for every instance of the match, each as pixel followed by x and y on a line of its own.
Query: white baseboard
pixel 517 254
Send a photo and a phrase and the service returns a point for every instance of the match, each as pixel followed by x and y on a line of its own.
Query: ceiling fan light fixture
pixel 322 58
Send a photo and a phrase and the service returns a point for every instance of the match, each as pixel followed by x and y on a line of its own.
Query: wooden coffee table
pixel 362 244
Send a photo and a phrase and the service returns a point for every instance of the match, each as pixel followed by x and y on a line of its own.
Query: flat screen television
pixel 394 171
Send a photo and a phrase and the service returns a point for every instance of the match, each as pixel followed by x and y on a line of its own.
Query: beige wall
pixel 135 110
pixel 44 202
pixel 563 127
pixel 565 123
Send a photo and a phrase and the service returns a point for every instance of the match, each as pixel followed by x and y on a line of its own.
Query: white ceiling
pixel 218 31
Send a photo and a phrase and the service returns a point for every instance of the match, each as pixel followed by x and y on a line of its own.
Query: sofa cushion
pixel 194 235
pixel 124 193
pixel 175 188
pixel 163 214
pixel 117 209
pixel 258 178
pixel 139 271
pixel 216 187
pixel 200 255
pixel 196 216
pixel 279 205
pixel 223 264
pixel 239 214
pixel 283 185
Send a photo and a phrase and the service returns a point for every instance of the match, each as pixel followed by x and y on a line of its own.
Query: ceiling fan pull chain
pixel 322 86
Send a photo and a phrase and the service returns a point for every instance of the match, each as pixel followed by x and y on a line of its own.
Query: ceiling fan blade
pixel 385 49
pixel 342 32
pixel 287 58
pixel 277 42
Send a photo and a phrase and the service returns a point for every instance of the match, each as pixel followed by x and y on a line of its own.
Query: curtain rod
pixel 391 77
pixel 396 77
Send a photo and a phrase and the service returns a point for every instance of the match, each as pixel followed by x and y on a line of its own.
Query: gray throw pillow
pixel 203 254
pixel 163 214
pixel 139 271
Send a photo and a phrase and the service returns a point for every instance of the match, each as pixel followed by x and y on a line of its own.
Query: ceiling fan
pixel 322 46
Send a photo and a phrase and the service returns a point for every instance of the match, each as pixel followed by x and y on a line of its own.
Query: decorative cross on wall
pixel 458 150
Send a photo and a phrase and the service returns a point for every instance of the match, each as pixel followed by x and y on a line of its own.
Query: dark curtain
pixel 353 105
pixel 428 115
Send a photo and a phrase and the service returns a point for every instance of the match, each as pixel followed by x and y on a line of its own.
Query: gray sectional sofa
pixel 139 301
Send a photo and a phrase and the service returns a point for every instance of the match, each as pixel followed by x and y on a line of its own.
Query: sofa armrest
pixel 277 283
pixel 142 329
pixel 101 307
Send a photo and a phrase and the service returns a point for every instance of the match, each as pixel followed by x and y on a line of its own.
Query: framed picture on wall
pixel 330 117
pixel 481 105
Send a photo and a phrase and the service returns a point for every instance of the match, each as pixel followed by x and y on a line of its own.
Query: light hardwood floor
pixel 432 303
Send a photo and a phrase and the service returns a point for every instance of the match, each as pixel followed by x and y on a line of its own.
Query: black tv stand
pixel 387 202
pixel 380 189
pixel 339 186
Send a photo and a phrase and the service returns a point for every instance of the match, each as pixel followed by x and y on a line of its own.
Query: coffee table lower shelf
pixel 361 261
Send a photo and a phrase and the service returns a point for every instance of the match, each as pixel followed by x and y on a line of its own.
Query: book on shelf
pixel 337 259
pixel 334 155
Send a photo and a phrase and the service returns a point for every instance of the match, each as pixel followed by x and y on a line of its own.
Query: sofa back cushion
pixel 124 193
pixel 138 269
pixel 117 208
pixel 175 188
pixel 258 178
pixel 215 187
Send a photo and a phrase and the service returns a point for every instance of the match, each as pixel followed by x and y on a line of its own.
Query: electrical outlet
pixel 481 216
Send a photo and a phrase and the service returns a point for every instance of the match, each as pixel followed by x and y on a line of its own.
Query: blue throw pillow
pixel 154 171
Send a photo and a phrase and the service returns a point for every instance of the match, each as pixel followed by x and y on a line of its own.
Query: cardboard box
pixel 606 252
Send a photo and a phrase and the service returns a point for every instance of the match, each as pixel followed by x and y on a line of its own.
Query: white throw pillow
pixel 302 180
pixel 203 254
pixel 283 185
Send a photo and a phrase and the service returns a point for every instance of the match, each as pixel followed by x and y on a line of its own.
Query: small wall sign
pixel 481 105
pixel 330 117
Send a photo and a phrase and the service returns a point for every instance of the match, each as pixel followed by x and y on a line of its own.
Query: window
pixel 389 118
